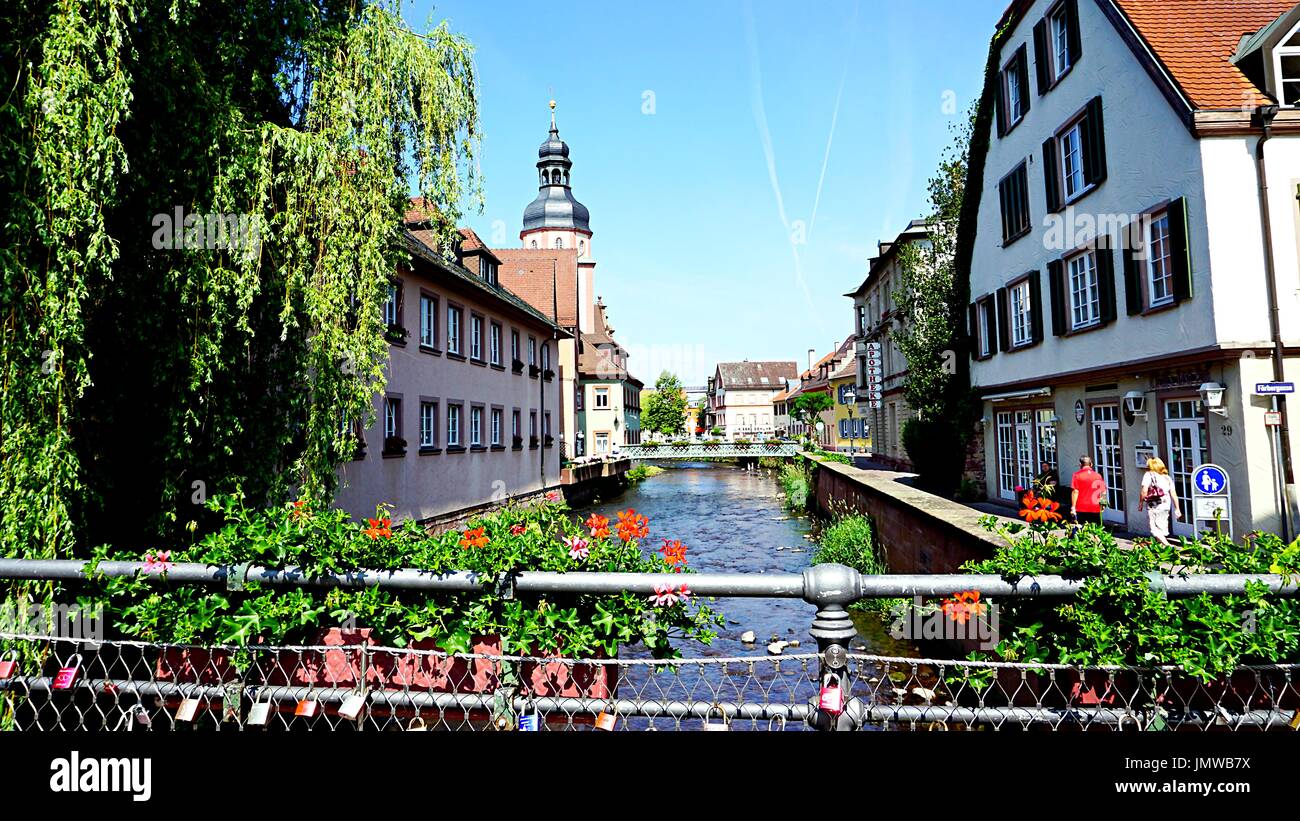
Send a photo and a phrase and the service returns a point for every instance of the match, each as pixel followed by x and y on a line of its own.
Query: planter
pixel 340 665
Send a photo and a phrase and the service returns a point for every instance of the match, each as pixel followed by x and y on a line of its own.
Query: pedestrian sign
pixel 1210 480
pixel 1211 499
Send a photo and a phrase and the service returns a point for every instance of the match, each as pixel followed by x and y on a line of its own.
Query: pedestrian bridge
pixel 709 450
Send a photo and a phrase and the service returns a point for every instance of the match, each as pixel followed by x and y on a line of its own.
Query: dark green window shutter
pixel 1021 68
pixel 1051 175
pixel 1004 323
pixel 1056 291
pixel 1042 57
pixel 1072 30
pixel 1094 144
pixel 1133 281
pixel 1180 251
pixel 973 313
pixel 998 105
pixel 1036 307
pixel 1106 279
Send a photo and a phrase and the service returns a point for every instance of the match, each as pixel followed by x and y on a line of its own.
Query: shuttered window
pixel 1074 161
pixel 1013 193
pixel 1012 103
pixel 1157 263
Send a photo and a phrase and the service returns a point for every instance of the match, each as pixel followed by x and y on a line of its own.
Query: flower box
pixel 340 665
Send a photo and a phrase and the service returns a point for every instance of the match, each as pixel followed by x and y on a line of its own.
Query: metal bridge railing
pixel 347 686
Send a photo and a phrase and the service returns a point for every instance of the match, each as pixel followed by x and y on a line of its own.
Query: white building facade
pixel 1120 295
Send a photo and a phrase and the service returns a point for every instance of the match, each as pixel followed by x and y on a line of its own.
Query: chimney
pixel 812 358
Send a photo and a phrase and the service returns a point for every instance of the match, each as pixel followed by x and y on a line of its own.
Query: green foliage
pixel 797 486
pixel 665 408
pixel 848 540
pixel 517 538
pixel 831 456
pixel 129 372
pixel 642 472
pixel 1118 619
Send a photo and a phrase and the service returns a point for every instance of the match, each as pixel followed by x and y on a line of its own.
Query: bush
pixel 848 540
pixel 1117 618
pixel 642 472
pixel 797 485
pixel 937 449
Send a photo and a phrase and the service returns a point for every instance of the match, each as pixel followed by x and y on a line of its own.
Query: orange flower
pixel 632 525
pixel 674 552
pixel 599 526
pixel 963 605
pixel 1033 509
pixel 299 511
pixel 474 538
pixel 379 528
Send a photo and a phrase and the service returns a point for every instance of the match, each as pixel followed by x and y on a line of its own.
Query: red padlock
pixel 832 695
pixel 9 666
pixel 67 676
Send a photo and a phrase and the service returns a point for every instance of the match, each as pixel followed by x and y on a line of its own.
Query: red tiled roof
pixel 527 272
pixel 1196 39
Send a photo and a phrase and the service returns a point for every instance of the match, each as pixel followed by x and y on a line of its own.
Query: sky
pixel 740 158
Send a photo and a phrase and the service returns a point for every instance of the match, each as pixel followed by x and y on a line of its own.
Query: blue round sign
pixel 1210 480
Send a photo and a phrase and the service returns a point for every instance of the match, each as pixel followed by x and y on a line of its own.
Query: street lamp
pixel 850 396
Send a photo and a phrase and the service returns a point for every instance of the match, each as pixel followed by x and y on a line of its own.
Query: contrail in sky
pixel 835 116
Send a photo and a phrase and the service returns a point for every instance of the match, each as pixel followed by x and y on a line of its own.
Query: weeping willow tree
pixel 142 372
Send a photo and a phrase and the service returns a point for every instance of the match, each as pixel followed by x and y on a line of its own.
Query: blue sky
pixel 693 205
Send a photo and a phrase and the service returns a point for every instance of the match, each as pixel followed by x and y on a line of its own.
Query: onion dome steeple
pixel 555 206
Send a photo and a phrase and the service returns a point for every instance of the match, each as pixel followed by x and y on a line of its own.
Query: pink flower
pixel 553 496
pixel 578 547
pixel 157 564
pixel 666 595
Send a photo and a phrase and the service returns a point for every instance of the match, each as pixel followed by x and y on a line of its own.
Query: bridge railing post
pixel 832 587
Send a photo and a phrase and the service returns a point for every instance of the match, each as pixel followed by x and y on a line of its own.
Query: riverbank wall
pixel 917 531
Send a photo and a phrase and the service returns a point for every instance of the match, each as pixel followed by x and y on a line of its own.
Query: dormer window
pixel 1288 74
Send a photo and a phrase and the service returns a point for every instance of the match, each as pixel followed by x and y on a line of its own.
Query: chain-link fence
pixel 134 686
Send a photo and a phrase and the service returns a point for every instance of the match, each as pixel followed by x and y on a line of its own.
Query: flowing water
pixel 733 520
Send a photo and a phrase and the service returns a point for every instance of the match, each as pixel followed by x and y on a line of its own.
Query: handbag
pixel 1155 495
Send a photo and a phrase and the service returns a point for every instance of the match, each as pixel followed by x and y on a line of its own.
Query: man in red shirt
pixel 1088 492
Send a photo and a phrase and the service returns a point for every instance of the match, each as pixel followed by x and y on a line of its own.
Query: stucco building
pixel 463 421
pixel 740 397
pixel 1137 229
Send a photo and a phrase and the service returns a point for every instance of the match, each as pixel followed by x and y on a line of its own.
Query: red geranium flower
pixel 632 525
pixel 476 537
pixel 598 525
pixel 674 552
pixel 379 528
pixel 517 530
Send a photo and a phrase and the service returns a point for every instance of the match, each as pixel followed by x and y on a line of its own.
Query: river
pixel 733 520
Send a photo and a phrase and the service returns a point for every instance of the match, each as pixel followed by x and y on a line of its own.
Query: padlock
pixel 606 721
pixel 67 676
pixel 528 722
pixel 306 708
pixel 188 710
pixel 832 695
pixel 417 725
pixel 142 717
pixel 259 714
pixel 9 665
pixel 711 726
pixel 352 706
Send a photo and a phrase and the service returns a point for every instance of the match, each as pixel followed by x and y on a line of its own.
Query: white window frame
pixel 1058 26
pixel 476 337
pixel 1087 313
pixel 1279 54
pixel 494 343
pixel 1015 103
pixel 602 398
pixel 392 417
pixel 1020 307
pixel 1070 147
pixel 428 424
pixel 985 329
pixel 453 329
pixel 497 413
pixel 391 303
pixel 453 425
pixel 1159 261
pixel 476 426
pixel 428 320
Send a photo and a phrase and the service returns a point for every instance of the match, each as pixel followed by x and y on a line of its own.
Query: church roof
pixel 555 205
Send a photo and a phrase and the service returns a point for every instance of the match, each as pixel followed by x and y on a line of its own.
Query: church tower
pixel 555 220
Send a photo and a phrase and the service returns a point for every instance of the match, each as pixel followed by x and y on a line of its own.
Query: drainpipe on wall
pixel 1265 115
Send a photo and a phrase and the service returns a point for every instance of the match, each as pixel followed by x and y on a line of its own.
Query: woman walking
pixel 1158 496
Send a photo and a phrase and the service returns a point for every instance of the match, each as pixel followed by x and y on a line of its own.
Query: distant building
pixel 740 397
pixel 875 320
pixel 609 398
pixel 817 379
